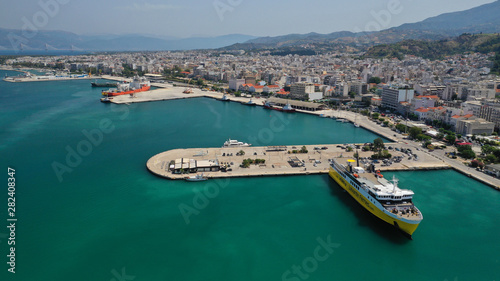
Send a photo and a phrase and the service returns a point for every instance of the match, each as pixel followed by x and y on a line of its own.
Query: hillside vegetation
pixel 482 43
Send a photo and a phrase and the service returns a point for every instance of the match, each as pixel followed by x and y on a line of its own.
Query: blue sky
pixel 218 17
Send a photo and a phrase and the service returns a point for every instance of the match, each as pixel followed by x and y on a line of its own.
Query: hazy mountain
pixel 485 19
pixel 12 39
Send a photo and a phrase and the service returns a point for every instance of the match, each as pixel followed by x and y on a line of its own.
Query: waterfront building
pixel 393 96
pixel 301 90
pixel 476 126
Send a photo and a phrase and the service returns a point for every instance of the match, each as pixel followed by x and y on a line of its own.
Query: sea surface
pixel 88 209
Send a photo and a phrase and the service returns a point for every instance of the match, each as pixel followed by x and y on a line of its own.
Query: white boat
pixel 356 125
pixel 288 108
pixel 198 177
pixel 106 99
pixel 224 98
pixel 235 143
pixel 250 102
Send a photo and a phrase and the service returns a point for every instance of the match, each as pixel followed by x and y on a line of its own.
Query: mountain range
pixel 481 19
pixel 11 39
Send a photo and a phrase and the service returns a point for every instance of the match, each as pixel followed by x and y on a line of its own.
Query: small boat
pixel 224 98
pixel 286 108
pixel 198 177
pixel 106 99
pixel 235 143
pixel 356 125
pixel 250 102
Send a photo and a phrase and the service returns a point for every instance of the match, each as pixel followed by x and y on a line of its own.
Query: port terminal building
pixel 182 165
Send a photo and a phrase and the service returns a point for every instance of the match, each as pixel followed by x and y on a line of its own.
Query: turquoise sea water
pixel 107 218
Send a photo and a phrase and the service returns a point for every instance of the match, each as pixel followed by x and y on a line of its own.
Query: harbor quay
pixel 226 162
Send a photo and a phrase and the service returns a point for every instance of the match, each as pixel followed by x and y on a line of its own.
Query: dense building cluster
pixel 458 90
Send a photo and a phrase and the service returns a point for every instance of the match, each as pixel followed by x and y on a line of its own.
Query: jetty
pixel 269 161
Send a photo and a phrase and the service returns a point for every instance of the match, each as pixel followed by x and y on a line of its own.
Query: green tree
pixel 414 132
pixel 488 149
pixel 401 127
pixel 468 154
pixel 450 138
pixel 375 115
pixel 378 144
pixel 375 80
pixel 491 158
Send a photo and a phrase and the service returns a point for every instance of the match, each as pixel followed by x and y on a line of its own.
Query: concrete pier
pixel 277 163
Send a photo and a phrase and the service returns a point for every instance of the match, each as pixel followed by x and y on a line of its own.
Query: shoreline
pixel 169 92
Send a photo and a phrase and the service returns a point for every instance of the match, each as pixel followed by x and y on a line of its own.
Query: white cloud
pixel 147 7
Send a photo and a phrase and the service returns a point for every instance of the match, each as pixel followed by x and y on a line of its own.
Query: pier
pixel 280 162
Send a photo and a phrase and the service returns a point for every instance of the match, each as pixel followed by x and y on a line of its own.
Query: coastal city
pixel 447 105
pixel 250 140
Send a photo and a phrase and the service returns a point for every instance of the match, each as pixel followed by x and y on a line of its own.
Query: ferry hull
pixel 405 227
pixel 111 94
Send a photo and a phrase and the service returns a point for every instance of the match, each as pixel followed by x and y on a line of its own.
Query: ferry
pixel 136 86
pixel 381 197
pixel 235 143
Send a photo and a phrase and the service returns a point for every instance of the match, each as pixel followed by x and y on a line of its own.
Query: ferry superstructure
pixel 136 86
pixel 382 198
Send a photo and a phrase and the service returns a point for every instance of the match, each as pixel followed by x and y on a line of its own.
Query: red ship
pixel 136 86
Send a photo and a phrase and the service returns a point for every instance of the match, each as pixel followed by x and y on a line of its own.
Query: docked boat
pixel 235 143
pixel 104 84
pixel 106 99
pixel 381 197
pixel 139 84
pixel 224 98
pixel 250 102
pixel 198 177
pixel 286 108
